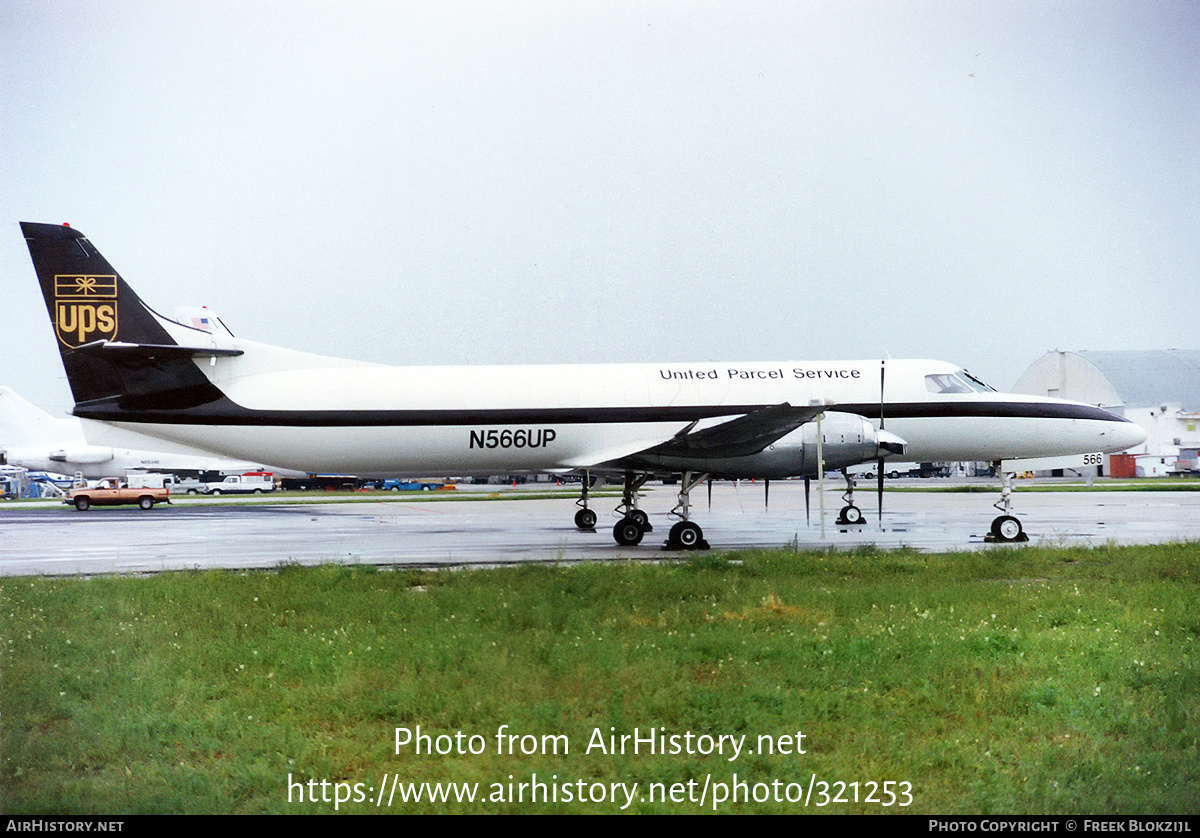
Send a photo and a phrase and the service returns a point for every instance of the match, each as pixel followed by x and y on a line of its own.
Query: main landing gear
pixel 1005 528
pixel 850 515
pixel 634 522
pixel 685 534
pixel 585 518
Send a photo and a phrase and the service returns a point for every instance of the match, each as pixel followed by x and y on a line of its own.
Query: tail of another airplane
pixel 22 423
pixel 113 346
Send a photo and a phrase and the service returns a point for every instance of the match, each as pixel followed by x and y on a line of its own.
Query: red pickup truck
pixel 111 492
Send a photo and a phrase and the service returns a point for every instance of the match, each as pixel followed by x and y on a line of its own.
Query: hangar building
pixel 1157 389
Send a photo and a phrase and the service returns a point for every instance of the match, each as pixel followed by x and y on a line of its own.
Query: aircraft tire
pixel 628 532
pixel 585 519
pixel 1007 528
pixel 643 520
pixel 851 515
pixel 686 535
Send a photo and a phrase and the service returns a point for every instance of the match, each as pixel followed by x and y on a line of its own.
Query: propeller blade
pixel 880 491
pixel 882 371
pixel 821 499
pixel 710 494
pixel 766 494
pixel 807 508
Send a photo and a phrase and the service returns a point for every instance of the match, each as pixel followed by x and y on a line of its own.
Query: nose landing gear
pixel 850 515
pixel 1006 528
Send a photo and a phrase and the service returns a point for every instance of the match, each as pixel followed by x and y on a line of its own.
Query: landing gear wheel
pixel 1008 528
pixel 643 520
pixel 585 519
pixel 628 532
pixel 686 536
pixel 851 515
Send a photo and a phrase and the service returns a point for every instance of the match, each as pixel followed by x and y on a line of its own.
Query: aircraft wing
pixel 739 437
pixel 742 436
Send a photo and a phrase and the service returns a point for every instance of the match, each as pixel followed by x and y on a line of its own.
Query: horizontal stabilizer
pixel 152 351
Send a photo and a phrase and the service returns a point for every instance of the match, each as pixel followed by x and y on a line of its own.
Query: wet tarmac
pixel 484 527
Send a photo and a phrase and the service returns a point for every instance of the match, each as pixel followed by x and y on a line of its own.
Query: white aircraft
pixel 32 438
pixel 132 369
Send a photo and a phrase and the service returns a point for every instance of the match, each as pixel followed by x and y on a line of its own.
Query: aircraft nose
pixel 1122 435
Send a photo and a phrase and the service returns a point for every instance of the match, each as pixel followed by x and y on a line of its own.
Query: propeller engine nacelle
pixel 848 439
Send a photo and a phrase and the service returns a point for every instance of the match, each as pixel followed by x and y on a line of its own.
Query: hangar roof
pixel 1166 376
pixel 1137 377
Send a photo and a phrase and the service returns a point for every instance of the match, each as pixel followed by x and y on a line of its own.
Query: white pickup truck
pixel 254 483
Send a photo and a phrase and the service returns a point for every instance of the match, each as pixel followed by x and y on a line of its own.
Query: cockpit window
pixel 945 383
pixel 958 382
pixel 977 385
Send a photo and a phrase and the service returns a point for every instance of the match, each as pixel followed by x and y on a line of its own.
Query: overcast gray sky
pixel 529 182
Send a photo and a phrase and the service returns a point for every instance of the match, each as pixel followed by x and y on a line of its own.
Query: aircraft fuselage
pixel 322 415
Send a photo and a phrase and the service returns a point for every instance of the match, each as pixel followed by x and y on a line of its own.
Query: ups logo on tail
pixel 85 308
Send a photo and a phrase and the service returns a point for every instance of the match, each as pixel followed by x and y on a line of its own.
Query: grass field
pixel 1001 681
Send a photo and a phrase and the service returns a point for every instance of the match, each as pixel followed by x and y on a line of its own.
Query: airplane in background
pixel 32 438
pixel 133 370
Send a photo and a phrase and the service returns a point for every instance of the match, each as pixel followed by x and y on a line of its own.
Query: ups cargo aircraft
pixel 132 369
